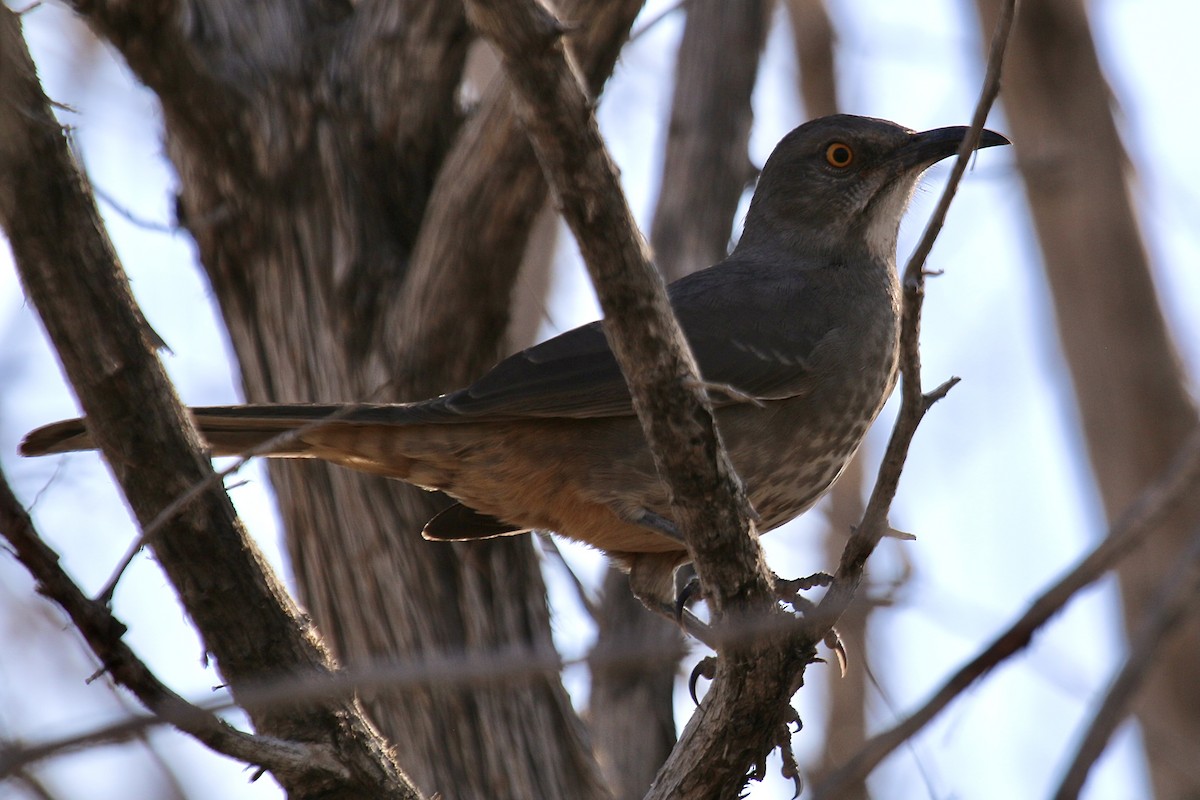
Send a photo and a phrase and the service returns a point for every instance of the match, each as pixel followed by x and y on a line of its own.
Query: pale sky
pixel 996 489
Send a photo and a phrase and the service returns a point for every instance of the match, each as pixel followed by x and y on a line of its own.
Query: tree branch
pixel 1178 599
pixel 705 166
pixel 709 502
pixel 290 761
pixel 704 172
pixel 914 402
pixel 1154 505
pixel 760 669
pixel 459 288
pixel 71 275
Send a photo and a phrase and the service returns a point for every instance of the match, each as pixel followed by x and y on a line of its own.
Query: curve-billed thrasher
pixel 801 321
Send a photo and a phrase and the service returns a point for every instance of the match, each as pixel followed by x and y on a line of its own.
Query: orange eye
pixel 839 155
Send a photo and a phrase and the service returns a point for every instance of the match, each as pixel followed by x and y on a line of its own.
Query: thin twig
pixel 103 633
pixel 132 218
pixel 1177 600
pixel 1139 520
pixel 914 403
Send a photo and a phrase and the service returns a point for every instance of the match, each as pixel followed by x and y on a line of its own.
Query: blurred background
pixel 1001 490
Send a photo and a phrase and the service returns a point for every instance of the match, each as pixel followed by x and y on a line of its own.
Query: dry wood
pixel 1140 521
pixel 706 167
pixel 1130 388
pixel 705 170
pixel 307 140
pixel 70 273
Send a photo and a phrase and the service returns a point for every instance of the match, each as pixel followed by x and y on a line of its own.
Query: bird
pixel 795 333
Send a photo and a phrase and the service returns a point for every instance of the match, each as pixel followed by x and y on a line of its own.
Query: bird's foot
pixel 833 641
pixel 786 590
pixel 789 590
pixel 790 769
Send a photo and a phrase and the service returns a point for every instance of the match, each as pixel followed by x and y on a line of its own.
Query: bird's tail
pixel 229 430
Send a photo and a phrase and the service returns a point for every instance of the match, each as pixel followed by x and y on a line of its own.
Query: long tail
pixel 230 430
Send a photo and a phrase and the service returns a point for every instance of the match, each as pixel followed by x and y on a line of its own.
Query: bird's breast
pixel 790 451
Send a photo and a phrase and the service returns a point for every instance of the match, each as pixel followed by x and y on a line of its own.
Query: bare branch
pixel 501 669
pixel 291 761
pixel 705 166
pixel 704 173
pixel 1178 599
pixel 489 185
pixel 914 403
pixel 1133 395
pixel 708 500
pixel 755 673
pixel 1179 482
pixel 814 38
pixel 72 277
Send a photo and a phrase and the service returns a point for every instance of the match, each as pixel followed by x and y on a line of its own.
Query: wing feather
pixel 755 346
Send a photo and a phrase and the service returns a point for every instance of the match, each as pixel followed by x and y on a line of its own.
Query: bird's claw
pixel 790 768
pixel 834 642
pixel 705 668
pixel 689 593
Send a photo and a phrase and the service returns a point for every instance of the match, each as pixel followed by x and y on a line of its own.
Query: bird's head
pixel 836 187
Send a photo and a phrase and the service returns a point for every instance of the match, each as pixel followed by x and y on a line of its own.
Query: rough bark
pixel 706 167
pixel 311 145
pixel 741 717
pixel 1133 404
pixel 705 171
pixel 70 272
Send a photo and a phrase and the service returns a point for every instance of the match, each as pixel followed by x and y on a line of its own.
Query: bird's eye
pixel 839 154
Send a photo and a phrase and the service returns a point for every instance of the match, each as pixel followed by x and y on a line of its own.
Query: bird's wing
pixel 738 317
pixel 571 375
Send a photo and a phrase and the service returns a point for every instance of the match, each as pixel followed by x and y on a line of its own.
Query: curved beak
pixel 928 147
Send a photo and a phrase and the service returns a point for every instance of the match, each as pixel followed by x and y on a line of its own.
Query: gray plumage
pixel 802 317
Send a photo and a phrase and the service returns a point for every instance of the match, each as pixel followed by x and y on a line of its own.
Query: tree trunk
pixel 1129 385
pixel 325 178
pixel 706 167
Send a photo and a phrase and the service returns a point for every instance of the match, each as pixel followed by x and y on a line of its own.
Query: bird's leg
pixel 657 523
